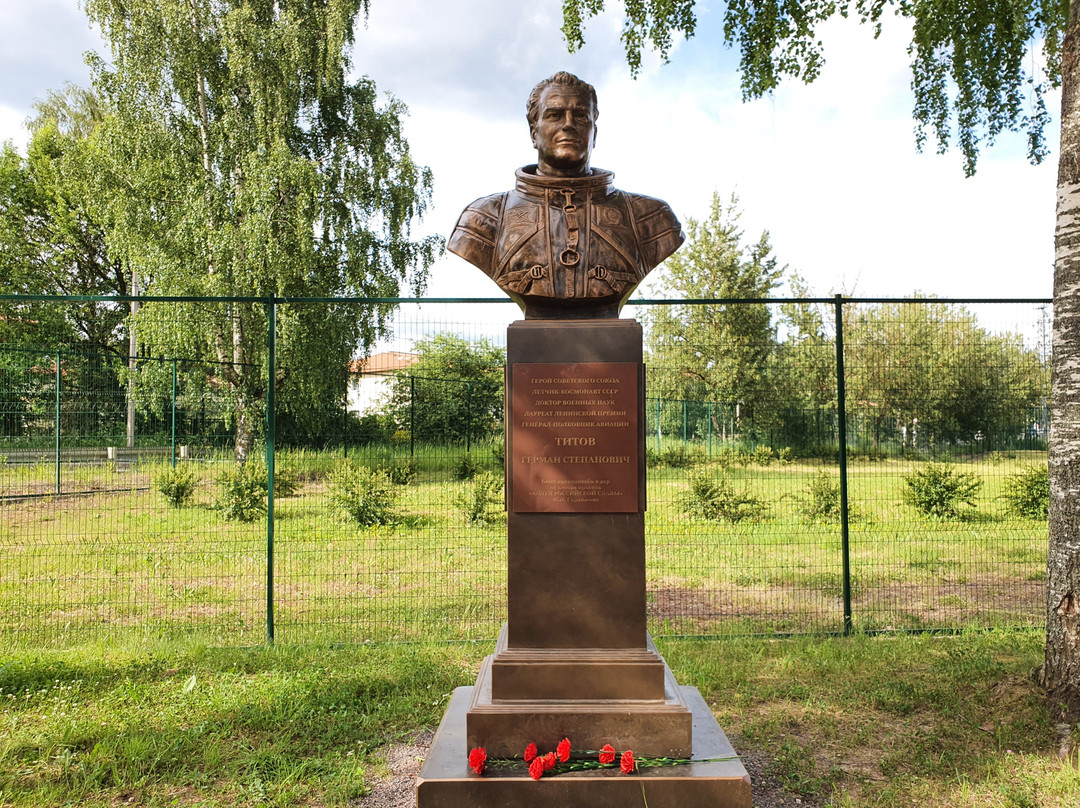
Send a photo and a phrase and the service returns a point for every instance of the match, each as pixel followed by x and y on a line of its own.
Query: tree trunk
pixel 245 428
pixel 1061 670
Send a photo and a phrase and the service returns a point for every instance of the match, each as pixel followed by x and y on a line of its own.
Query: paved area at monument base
pixel 446 781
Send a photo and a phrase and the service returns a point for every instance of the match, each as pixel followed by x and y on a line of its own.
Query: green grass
pixel 119 560
pixel 899 721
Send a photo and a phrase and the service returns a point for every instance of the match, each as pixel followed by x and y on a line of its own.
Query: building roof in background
pixel 384 362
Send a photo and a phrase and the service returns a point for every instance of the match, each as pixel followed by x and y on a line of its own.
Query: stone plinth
pixel 445 780
pixel 574 659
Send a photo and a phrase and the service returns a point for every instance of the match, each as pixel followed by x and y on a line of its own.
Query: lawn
pixel 904 720
pixel 116 559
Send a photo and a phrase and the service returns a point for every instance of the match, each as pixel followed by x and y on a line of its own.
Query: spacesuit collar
pixel 598 183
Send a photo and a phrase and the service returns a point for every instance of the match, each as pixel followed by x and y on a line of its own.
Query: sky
pixel 830 170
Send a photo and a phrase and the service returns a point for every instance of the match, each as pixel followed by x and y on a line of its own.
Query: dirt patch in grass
pixel 399 789
pixel 884 605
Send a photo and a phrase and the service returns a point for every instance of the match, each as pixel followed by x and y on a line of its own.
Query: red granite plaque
pixel 574 437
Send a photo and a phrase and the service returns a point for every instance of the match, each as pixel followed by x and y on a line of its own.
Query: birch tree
pixel 974 76
pixel 240 160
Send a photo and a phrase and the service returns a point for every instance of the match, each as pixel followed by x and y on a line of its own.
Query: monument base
pixel 445 780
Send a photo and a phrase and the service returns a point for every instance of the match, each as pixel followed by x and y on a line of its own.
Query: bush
pixel 675 458
pixel 482 499
pixel 241 495
pixel 938 489
pixel 727 457
pixel 1027 493
pixel 717 499
pixel 400 472
pixel 763 455
pixel 785 456
pixel 286 477
pixel 822 501
pixel 178 485
pixel 363 496
pixel 467 467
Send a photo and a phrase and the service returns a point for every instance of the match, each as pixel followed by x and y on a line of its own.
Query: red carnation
pixel 549 761
pixel 563 750
pixel 477 758
pixel 530 753
pixel 627 762
pixel 536 768
pixel 607 754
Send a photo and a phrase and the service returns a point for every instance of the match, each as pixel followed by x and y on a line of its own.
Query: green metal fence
pixel 757 522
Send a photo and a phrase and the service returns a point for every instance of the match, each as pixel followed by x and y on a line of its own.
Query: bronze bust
pixel 565 243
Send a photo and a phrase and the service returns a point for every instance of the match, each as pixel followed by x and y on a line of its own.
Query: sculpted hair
pixel 562 79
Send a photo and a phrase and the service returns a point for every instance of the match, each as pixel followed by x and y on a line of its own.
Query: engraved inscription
pixel 574 437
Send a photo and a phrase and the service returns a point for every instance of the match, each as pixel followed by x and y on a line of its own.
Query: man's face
pixel 564 132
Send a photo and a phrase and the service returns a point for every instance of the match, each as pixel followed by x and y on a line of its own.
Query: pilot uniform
pixel 576 246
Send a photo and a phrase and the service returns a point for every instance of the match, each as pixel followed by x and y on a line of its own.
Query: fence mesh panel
pixel 744 531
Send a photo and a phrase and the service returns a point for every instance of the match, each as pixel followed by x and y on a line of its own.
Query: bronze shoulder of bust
pixel 564 242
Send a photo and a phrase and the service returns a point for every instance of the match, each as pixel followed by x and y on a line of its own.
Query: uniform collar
pixel 597 184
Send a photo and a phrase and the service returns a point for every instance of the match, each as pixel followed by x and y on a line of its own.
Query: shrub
pixel 938 489
pixel 241 495
pixel 676 457
pixel 763 455
pixel 286 477
pixel 363 496
pixel 400 472
pixel 482 499
pixel 717 499
pixel 1027 493
pixel 178 485
pixel 727 457
pixel 785 456
pixel 822 501
pixel 467 467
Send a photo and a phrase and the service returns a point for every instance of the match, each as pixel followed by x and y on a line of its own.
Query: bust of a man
pixel 565 243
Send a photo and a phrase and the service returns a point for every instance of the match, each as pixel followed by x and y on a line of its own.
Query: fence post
pixel 412 415
pixel 57 422
pixel 174 413
pixel 684 423
pixel 271 423
pixel 841 415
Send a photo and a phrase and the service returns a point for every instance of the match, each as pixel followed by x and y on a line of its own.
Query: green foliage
pixel 453 392
pixel 716 353
pixel 466 467
pixel 401 471
pixel 949 377
pixel 973 65
pixel 1027 493
pixel 763 455
pixel 241 495
pixel 178 484
pixel 238 157
pixel 717 498
pixel 940 489
pixel 482 499
pixel 822 500
pixel 363 496
pixel 52 235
